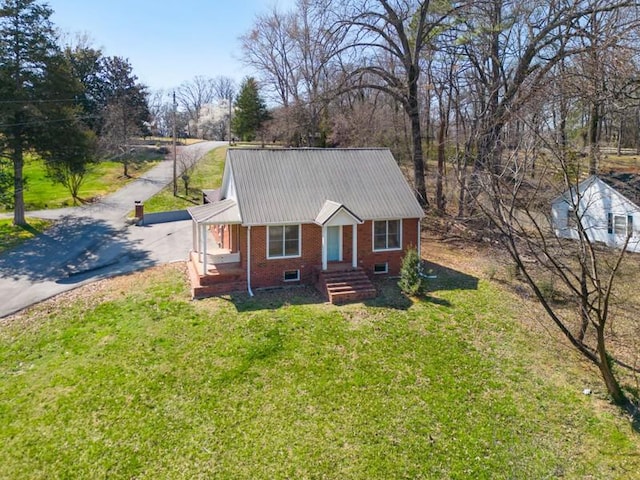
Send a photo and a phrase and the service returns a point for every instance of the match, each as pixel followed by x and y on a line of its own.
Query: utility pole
pixel 175 154
pixel 229 123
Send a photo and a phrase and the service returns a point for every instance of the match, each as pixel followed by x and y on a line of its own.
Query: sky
pixel 166 42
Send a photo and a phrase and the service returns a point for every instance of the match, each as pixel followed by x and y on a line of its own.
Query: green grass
pixel 12 235
pixel 207 174
pixel 137 381
pixel 104 178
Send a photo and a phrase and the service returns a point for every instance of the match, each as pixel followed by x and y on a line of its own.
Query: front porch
pixel 215 263
pixel 218 278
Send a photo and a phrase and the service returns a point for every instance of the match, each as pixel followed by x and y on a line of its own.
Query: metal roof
pixel 628 184
pixel 216 213
pixel 274 186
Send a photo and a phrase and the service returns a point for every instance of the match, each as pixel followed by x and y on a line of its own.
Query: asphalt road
pixel 93 242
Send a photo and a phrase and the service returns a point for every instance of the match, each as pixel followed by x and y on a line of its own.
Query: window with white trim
pixel 381 268
pixel 291 275
pixel 620 224
pixel 283 241
pixel 387 234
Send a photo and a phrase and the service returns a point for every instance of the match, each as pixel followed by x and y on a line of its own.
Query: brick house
pixel 334 218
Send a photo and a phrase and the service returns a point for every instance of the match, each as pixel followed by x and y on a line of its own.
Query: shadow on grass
pixel 389 294
pixel 11 236
pixel 188 199
pixel 441 278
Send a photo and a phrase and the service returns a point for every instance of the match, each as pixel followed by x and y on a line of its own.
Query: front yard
pixel 129 378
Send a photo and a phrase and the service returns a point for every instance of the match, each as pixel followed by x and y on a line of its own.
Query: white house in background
pixel 607 207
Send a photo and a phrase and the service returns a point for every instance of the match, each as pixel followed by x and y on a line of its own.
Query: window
pixel 380 268
pixel 283 241
pixel 387 235
pixel 291 275
pixel 620 224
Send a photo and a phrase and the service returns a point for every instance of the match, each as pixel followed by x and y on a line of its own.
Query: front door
pixel 334 244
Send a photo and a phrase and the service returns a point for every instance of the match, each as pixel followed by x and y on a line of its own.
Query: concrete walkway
pixel 95 241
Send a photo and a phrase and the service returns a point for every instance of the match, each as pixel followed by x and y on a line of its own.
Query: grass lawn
pixel 12 235
pixel 207 174
pixel 128 378
pixel 104 178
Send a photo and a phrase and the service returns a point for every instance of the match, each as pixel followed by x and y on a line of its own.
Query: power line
pixel 40 122
pixel 61 100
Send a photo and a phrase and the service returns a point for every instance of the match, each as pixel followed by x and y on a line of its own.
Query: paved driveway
pixel 93 242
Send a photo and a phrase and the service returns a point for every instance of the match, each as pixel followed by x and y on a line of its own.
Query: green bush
pixel 411 282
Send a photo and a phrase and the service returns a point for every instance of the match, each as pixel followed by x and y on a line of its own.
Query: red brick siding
pixel 269 272
pixel 367 258
pixel 226 236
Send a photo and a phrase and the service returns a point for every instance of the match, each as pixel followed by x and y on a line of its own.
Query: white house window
pixel 619 224
pixel 283 241
pixel 387 234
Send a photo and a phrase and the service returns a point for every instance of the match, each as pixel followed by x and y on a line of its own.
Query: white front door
pixel 334 244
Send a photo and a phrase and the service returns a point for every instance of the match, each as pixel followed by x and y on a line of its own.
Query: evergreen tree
pixel 250 111
pixel 37 91
pixel 411 281
pixel 125 111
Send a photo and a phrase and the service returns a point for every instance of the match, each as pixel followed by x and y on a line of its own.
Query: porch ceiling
pixel 223 212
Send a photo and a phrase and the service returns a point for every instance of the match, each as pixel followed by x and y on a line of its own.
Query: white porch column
pixel 194 236
pixel 324 247
pixel 248 260
pixel 354 246
pixel 204 249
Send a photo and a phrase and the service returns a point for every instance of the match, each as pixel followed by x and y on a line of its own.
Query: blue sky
pixel 167 42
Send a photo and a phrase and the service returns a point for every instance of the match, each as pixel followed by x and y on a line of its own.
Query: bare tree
pixel 388 39
pixel 586 273
pixel 192 96
pixel 160 112
pixel 295 53
pixel 512 49
pixel 269 47
pixel 187 160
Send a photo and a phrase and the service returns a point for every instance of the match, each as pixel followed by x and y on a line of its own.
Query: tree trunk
pixel 619 146
pixel 584 306
pixel 416 136
pixel 440 200
pixel 594 121
pixel 613 387
pixel 18 184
